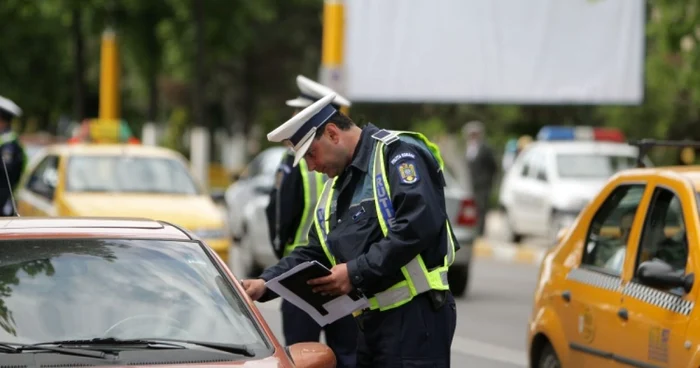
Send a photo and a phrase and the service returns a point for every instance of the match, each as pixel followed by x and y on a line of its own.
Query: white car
pixel 556 176
pixel 247 198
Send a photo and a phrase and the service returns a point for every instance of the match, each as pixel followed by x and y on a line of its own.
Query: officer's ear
pixel 333 133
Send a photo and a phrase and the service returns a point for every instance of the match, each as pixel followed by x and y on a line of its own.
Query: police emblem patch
pixel 408 173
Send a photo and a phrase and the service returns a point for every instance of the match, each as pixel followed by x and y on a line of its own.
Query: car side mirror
pixel 219 197
pixel 312 355
pixel 659 274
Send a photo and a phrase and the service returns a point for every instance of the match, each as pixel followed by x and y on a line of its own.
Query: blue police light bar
pixel 580 133
pixel 556 133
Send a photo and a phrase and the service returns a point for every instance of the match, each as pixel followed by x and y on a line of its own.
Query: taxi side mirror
pixel 659 274
pixel 312 355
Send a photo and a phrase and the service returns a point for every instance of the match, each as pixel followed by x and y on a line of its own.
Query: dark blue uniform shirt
pixel 374 262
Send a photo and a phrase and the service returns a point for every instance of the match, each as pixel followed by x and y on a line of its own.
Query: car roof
pixel 89 227
pixel 113 149
pixel 690 173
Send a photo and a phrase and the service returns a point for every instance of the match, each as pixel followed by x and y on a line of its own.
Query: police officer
pixel 12 153
pixel 381 227
pixel 290 215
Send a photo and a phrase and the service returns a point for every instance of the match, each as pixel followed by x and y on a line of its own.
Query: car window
pixel 606 240
pixel 527 163
pixel 44 178
pixel 539 167
pixel 128 174
pixel 664 236
pixel 582 166
pixel 69 289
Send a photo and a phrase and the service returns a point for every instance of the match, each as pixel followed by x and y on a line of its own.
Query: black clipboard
pixel 297 283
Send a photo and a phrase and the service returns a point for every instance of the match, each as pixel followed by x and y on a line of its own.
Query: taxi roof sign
pixel 104 131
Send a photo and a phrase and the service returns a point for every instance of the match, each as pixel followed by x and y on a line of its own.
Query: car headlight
pixel 211 233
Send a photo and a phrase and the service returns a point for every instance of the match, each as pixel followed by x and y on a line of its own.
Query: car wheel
pixel 548 358
pixel 514 237
pixel 458 277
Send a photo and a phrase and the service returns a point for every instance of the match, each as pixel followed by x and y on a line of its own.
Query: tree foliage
pixel 250 51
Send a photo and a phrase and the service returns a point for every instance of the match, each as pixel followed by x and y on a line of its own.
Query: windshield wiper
pixel 6 347
pixel 153 343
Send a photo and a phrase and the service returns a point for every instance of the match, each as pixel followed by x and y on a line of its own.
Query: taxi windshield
pixel 128 174
pixel 76 289
pixel 593 166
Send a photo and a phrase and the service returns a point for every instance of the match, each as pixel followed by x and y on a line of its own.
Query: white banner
pixel 495 51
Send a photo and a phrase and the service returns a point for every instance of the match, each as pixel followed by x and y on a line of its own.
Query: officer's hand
pixel 255 288
pixel 337 283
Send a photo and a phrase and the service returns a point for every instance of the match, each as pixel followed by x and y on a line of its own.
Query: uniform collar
pixel 363 151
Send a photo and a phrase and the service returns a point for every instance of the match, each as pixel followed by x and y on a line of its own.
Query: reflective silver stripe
pixel 388 297
pixel 392 296
pixel 418 277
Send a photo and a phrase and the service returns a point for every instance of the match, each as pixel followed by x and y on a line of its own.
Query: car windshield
pixel 75 289
pixel 128 174
pixel 594 166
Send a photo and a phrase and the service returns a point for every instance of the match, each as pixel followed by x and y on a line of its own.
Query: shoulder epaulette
pixel 386 136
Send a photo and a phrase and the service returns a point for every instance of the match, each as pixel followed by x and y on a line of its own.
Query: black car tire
pixel 458 277
pixel 548 358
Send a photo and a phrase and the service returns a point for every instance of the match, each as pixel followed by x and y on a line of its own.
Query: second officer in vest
pixel 381 226
pixel 290 215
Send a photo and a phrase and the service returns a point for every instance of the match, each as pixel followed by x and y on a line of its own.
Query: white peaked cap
pixel 299 131
pixel 9 106
pixel 311 92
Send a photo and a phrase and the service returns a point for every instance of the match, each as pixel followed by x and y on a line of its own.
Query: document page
pixel 325 309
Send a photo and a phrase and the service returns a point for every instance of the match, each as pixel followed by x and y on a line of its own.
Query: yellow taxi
pixel 124 180
pixel 619 288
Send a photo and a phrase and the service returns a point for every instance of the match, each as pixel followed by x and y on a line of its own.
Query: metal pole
pixel 332 73
pixel 109 76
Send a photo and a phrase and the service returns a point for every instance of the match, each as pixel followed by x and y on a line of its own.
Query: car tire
pixel 514 237
pixel 548 358
pixel 458 277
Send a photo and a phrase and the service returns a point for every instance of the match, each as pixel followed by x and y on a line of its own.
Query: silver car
pixel 248 197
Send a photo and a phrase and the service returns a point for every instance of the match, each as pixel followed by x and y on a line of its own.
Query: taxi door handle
pixel 566 295
pixel 622 313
